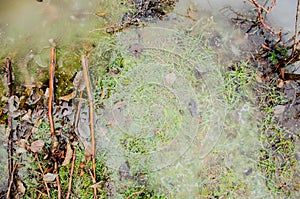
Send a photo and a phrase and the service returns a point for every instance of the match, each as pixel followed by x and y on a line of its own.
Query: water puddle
pixel 282 16
pixel 29 29
pixel 168 116
pixel 173 122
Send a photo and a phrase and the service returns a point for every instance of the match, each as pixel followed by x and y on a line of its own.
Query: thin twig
pixel 11 180
pixel 296 29
pixel 90 173
pixel 134 194
pixel 40 193
pixel 51 90
pixel 71 175
pixel 57 180
pixel 78 110
pixel 9 76
pixel 102 93
pixel 52 130
pixel 84 63
pixel 9 119
pixel 41 169
pixel 261 8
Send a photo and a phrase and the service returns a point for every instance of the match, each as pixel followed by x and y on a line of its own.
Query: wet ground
pixel 172 119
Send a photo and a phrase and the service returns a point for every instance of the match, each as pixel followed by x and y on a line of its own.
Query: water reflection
pixel 226 137
pixel 186 154
pixel 282 16
pixel 29 28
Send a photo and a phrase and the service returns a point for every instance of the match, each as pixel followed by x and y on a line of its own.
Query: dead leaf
pixel 88 150
pixel 38 84
pixel 46 95
pixel 280 83
pixel 36 124
pixel 13 106
pixel 170 78
pixel 34 97
pixel 65 109
pixel 81 173
pixel 79 82
pixel 69 155
pixel 21 188
pixel 69 96
pixel 259 77
pixel 27 117
pixel 101 14
pixel 37 146
pixel 22 143
pixel 83 126
pixel 49 177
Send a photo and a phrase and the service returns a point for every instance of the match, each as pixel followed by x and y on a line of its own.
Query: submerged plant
pixel 277 160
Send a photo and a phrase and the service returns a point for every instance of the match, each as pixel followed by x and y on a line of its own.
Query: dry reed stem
pixel 11 180
pixel 78 110
pixel 9 120
pixel 84 63
pixel 51 90
pixel 41 169
pixel 71 175
pixel 261 8
pixel 50 102
pixel 296 30
pixel 57 180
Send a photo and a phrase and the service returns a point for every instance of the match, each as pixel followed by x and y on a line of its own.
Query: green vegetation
pixel 237 83
pixel 277 159
pixel 185 124
pixel 279 53
pixel 222 182
pixel 81 183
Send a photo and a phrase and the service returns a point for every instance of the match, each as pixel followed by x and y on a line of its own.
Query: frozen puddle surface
pixel 169 117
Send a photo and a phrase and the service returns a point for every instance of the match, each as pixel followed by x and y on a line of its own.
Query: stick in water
pixel 52 130
pixel 9 124
pixel 51 90
pixel 84 63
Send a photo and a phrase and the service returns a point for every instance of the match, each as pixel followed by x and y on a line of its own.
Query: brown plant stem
pixel 9 120
pixel 84 63
pixel 51 90
pixel 9 77
pixel 50 104
pixel 41 169
pixel 57 180
pixel 78 110
pixel 260 18
pixel 296 30
pixel 8 196
pixel 71 175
